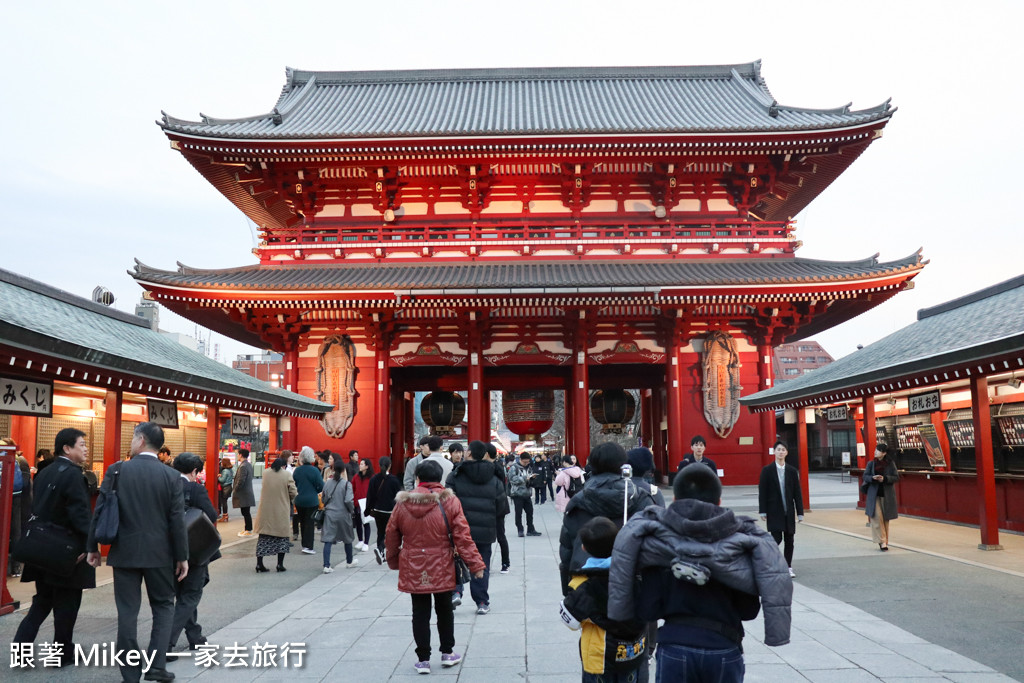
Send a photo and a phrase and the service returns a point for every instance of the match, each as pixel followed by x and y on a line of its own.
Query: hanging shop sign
pixel 836 414
pixel 23 397
pixel 924 403
pixel 241 425
pixel 163 413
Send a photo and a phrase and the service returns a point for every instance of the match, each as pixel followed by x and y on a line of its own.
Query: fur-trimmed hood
pixel 424 498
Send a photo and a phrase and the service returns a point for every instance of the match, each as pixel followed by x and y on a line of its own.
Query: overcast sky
pixel 89 183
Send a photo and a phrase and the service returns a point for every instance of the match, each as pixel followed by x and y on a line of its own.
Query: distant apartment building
pixel 793 360
pixel 266 366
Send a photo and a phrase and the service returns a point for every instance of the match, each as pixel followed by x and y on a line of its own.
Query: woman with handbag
pixel 272 516
pixel 880 495
pixel 424 551
pixel 225 479
pixel 338 501
pixel 62 499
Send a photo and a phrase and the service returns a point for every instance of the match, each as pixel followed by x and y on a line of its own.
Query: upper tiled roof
pixel 518 102
pixel 973 328
pixel 518 275
pixel 37 317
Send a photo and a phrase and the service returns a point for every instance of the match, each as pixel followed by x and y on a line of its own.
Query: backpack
pixel 19 481
pixel 575 486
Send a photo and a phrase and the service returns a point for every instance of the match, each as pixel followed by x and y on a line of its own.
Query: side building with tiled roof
pixel 528 231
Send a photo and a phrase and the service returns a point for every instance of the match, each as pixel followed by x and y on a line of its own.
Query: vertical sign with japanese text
pixel 164 413
pixel 23 397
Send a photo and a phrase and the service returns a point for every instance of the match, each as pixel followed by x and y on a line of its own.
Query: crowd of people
pixel 628 560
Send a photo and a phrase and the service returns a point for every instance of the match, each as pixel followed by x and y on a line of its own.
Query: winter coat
pixel 540 468
pixel 480 494
pixel 409 478
pixel 361 488
pixel 689 459
pixel 602 496
pixel 308 482
pixel 381 492
pixel 735 550
pixel 416 540
pixel 273 518
pixel 519 481
pixel 770 499
pixel 226 480
pixel 886 487
pixel 338 507
pixel 562 481
pixel 242 495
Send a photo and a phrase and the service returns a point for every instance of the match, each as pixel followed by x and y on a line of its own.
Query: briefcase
pixel 48 546
pixel 203 537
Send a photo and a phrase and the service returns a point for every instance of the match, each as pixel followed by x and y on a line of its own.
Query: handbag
pixel 108 511
pixel 867 485
pixel 320 513
pixel 48 546
pixel 462 575
pixel 203 537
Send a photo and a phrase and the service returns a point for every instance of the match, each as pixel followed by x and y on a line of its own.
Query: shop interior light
pixel 1014 382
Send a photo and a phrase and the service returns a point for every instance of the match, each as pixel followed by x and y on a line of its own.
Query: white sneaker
pixel 364 548
pixel 792 574
pixel 309 551
pixel 352 564
pixel 328 570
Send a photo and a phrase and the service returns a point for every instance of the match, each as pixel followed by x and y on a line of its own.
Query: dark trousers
pixel 520 505
pixel 550 483
pixel 305 517
pixel 223 500
pixel 785 537
pixel 362 528
pixel 478 587
pixel 681 663
pixel 382 519
pixel 128 599
pixel 421 622
pixel 188 593
pixel 247 516
pixel 64 603
pixel 503 541
pixel 539 496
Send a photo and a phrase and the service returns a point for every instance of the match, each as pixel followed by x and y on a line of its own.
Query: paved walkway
pixel 354 624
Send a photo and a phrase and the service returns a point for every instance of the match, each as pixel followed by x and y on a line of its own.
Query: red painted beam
pixel 988 507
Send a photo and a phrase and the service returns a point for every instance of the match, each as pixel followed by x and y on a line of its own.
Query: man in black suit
pixel 190 589
pixel 151 546
pixel 697 446
pixel 62 498
pixel 780 501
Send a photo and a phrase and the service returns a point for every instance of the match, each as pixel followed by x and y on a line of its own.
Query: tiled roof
pixel 537 276
pixel 37 317
pixel 518 102
pixel 973 328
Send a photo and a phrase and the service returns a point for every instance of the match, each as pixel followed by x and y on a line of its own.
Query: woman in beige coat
pixel 273 522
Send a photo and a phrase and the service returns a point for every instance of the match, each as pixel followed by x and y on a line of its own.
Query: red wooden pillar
pixel 8 447
pixel 658 438
pixel 581 394
pixel 112 446
pixel 272 435
pixel 24 431
pixel 381 400
pixel 870 435
pixel 290 438
pixel 801 449
pixel 213 451
pixel 767 417
pixel 479 420
pixel 646 424
pixel 988 511
pixel 674 402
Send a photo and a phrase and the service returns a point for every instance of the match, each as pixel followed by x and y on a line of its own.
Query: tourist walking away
pixel 225 482
pixel 360 518
pixel 568 482
pixel 151 546
pixel 780 501
pixel 704 571
pixel 697 447
pixel 309 482
pixel 539 482
pixel 242 496
pixel 611 651
pixel 409 478
pixel 189 591
pixel 425 525
pixel 272 516
pixel 62 498
pixel 338 500
pixel 501 474
pixel 642 461
pixel 878 486
pixel 521 492
pixel 607 494
pixel 480 494
pixel 380 501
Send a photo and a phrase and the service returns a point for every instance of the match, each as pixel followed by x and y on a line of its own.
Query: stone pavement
pixel 355 625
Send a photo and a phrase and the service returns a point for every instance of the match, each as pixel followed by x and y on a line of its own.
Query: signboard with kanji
pixel 164 413
pixel 23 397
pixel 924 403
pixel 240 424
pixel 836 414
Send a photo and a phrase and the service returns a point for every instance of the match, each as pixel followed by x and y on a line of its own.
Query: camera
pixel 626 472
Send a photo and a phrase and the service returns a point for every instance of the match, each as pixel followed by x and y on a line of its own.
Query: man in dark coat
pixel 151 546
pixel 190 591
pixel 780 501
pixel 606 494
pixel 62 498
pixel 242 495
pixel 697 447
pixel 480 494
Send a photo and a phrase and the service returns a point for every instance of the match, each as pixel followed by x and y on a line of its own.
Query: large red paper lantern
pixel 529 413
pixel 612 408
pixel 443 411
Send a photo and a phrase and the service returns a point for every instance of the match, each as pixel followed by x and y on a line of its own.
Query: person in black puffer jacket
pixel 480 493
pixel 604 495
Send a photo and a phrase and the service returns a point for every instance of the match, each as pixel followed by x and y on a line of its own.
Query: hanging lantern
pixel 529 413
pixel 443 411
pixel 612 408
